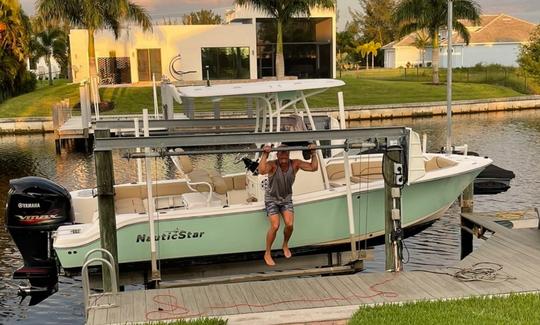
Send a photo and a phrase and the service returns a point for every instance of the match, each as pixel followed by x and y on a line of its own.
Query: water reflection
pixel 511 139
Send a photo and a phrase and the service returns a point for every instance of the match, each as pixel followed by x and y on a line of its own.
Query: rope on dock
pixel 481 271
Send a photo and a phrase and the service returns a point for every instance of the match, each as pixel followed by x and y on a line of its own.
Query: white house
pixel 243 48
pixel 41 69
pixel 496 40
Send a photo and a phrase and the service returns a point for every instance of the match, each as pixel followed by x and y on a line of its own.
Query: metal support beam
pixel 353 135
pixel 198 123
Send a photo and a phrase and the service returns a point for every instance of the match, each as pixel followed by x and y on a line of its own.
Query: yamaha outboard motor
pixel 35 208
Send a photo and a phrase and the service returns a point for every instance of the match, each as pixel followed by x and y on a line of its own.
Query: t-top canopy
pixel 257 87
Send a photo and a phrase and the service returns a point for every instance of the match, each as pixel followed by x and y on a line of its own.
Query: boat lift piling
pixel 393 234
pixel 107 213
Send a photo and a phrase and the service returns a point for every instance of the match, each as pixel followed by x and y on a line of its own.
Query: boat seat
pixel 336 171
pixel 197 175
pixel 130 205
pixel 196 200
pixel 438 163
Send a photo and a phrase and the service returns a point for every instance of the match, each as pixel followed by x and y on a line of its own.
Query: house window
pixel 148 63
pixel 114 70
pixel 225 62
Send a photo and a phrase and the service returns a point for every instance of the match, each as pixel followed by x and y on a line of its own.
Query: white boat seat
pixel 195 200
pixel 211 177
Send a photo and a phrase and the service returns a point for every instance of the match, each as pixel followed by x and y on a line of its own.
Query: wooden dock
pixel 309 299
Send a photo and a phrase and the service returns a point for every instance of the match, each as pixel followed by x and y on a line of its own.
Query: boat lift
pixel 359 138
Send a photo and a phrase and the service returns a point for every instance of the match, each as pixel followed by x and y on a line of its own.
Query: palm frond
pixel 139 15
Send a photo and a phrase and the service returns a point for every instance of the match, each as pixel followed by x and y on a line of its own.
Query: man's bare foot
pixel 268 259
pixel 286 251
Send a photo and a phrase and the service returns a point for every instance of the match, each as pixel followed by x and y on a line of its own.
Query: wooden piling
pixel 467 203
pixel 105 195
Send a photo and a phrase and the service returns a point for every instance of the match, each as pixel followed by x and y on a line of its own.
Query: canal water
pixel 511 139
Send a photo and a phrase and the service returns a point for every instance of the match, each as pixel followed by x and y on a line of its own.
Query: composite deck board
pixel 417 286
pixel 227 299
pixel 190 301
pixel 333 292
pixel 361 289
pixel 315 287
pixel 313 292
pixel 266 296
pixel 299 289
pixel 351 297
pixel 126 308
pixel 238 298
pixel 202 300
pixel 215 301
pixel 516 250
pixel 251 297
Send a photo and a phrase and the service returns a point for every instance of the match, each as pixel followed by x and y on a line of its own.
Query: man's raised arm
pixel 264 166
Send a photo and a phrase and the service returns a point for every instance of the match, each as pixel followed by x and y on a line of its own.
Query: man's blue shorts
pixel 273 207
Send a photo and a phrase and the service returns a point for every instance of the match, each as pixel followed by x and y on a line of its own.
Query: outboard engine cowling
pixel 35 208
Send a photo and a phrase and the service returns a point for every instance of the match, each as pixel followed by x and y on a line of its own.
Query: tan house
pixel 496 40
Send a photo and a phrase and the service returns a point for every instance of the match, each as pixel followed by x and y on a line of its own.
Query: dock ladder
pixel 109 262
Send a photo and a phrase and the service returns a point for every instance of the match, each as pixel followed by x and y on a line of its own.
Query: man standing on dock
pixel 278 196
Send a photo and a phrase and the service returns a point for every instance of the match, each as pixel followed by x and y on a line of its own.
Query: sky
pixel 525 9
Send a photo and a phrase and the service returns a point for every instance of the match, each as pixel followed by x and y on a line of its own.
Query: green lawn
pixel 40 101
pixel 357 91
pixel 516 309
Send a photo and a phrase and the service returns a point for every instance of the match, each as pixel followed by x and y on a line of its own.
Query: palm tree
pixel 202 17
pixel 421 41
pixel 14 31
pixel 372 48
pixel 14 25
pixel 283 11
pixel 50 43
pixel 95 15
pixel 364 51
pixel 431 15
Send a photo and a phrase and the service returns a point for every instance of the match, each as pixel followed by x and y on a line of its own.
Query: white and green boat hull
pixel 320 219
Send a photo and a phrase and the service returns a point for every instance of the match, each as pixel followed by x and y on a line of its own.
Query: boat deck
pixel 298 300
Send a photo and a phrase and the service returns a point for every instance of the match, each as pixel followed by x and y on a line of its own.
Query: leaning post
pixel 105 196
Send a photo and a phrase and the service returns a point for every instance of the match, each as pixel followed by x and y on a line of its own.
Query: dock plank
pixel 238 298
pixel 339 297
pixel 202 300
pixel 101 314
pixel 318 291
pixel 126 307
pixel 251 297
pixel 313 297
pixel 215 301
pixel 190 301
pixel 267 296
pixel 227 299
pixel 347 292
